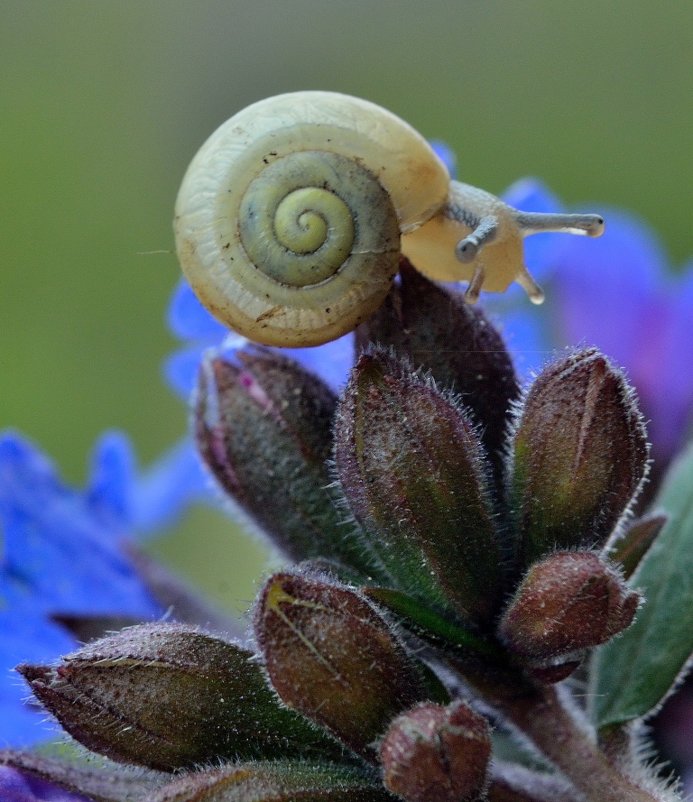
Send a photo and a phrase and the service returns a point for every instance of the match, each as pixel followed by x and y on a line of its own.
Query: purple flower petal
pixel 109 494
pixel 331 361
pixel 181 367
pixel 173 482
pixel 61 554
pixel 608 290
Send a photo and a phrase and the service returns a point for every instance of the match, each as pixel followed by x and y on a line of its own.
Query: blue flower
pixel 62 553
pixel 18 787
pixel 619 293
pixel 446 154
pixel 191 322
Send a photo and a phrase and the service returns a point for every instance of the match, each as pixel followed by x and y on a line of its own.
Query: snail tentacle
pixel 590 225
pixel 467 249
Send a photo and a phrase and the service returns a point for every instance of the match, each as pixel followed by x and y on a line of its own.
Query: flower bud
pixel 273 782
pixel 414 475
pixel 437 753
pixel 332 657
pixel 437 330
pixel 568 602
pixel 264 429
pixel 168 696
pixel 580 455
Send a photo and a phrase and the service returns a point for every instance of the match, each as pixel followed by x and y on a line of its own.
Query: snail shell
pixel 289 217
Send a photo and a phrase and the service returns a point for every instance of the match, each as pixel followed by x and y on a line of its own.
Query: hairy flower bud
pixel 437 753
pixel 568 602
pixel 273 782
pixel 580 454
pixel 264 429
pixel 456 342
pixel 413 472
pixel 332 657
pixel 167 696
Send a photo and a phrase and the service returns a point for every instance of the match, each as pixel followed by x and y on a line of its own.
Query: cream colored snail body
pixel 291 219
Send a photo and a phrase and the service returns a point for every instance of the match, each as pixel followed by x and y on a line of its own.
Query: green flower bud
pixel 273 782
pixel 264 430
pixel 332 657
pixel 580 452
pixel 414 475
pixel 168 696
pixel 437 330
pixel 437 753
pixel 568 602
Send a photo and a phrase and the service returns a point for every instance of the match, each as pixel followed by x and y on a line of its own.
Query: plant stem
pixel 558 733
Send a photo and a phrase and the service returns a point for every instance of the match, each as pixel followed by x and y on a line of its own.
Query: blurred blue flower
pixel 446 154
pixel 18 787
pixel 61 553
pixel 619 293
pixel 193 324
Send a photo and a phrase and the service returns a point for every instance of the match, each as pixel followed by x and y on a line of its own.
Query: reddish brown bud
pixel 332 657
pixel 437 330
pixel 568 602
pixel 263 428
pixel 580 455
pixel 437 753
pixel 167 696
pixel 414 475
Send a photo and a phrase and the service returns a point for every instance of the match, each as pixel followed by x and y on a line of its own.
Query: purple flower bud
pixel 413 472
pixel 167 696
pixel 332 657
pixel 568 602
pixel 264 430
pixel 437 753
pixel 580 453
pixel 439 331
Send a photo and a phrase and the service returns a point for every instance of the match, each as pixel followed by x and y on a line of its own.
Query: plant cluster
pixel 457 550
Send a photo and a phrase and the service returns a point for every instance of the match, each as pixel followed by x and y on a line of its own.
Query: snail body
pixel 292 217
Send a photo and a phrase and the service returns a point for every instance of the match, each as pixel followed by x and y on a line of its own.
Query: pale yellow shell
pixel 291 219
pixel 287 308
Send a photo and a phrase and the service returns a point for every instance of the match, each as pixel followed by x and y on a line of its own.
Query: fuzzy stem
pixel 513 783
pixel 557 732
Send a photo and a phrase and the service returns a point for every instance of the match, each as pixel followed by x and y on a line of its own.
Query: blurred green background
pixel 104 103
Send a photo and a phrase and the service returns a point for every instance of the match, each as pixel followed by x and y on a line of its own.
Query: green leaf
pixel 631 675
pixel 276 781
pixel 430 625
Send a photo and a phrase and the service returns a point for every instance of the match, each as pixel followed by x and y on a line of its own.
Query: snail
pixel 292 217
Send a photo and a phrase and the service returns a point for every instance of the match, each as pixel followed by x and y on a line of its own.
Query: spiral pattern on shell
pixel 288 220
